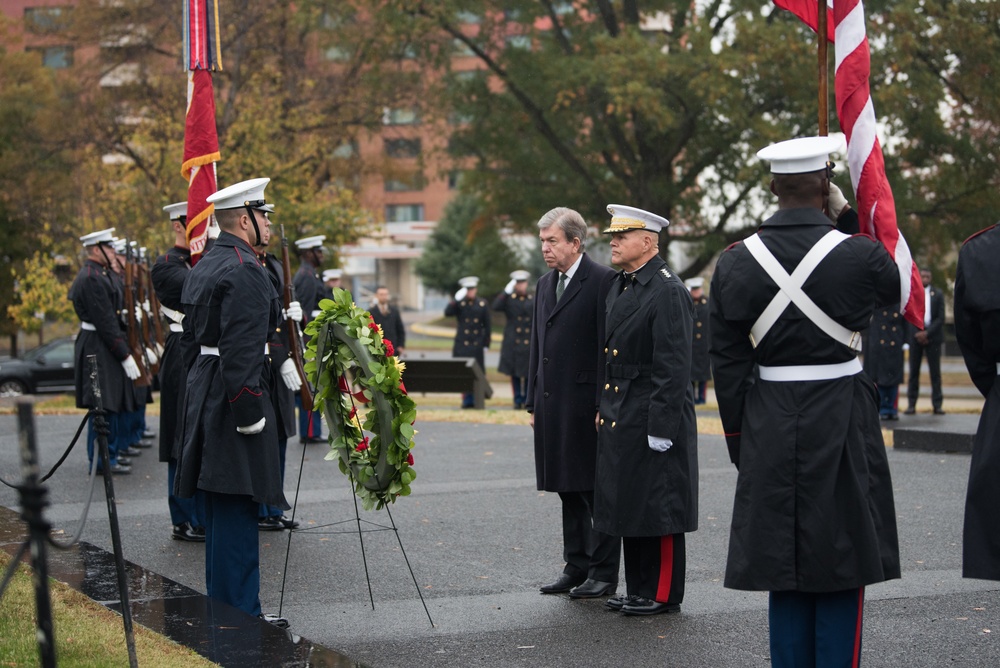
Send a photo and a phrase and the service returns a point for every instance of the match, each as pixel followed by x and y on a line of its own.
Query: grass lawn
pixel 87 634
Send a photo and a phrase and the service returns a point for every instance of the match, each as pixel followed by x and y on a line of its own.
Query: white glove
pixel 159 350
pixel 509 288
pixel 151 356
pixel 460 295
pixel 254 428
pixel 138 312
pixel 294 311
pixel 837 202
pixel 131 368
pixel 290 375
pixel 213 231
pixel 314 314
pixel 147 308
pixel 659 444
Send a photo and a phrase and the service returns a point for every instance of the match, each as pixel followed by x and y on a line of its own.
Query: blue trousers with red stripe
pixel 816 630
pixel 654 567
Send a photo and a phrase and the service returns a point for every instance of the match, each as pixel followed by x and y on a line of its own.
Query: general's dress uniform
pixel 701 367
pixel 309 290
pixel 228 452
pixel 98 304
pixel 884 358
pixel 977 326
pixel 649 498
pixel 813 516
pixel 516 347
pixel 168 274
pixel 472 335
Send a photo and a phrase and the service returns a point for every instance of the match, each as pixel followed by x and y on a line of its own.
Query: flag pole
pixel 824 95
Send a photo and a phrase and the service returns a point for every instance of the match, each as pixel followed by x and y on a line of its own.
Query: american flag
pixel 876 207
pixel 201 139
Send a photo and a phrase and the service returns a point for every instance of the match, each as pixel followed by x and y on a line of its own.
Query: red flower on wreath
pixel 363 445
pixel 389 350
pixel 409 458
pixel 373 326
pixel 354 411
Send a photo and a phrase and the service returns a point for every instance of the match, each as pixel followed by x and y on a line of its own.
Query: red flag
pixel 876 207
pixel 201 139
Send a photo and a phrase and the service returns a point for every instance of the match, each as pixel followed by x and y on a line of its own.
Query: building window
pixel 405 116
pixel 408 183
pixel 348 149
pixel 337 54
pixel 54 57
pixel 404 213
pixel 455 179
pixel 40 20
pixel 470 18
pixel 402 148
pixel 563 7
pixel 521 42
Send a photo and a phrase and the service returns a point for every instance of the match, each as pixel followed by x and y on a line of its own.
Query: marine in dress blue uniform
pixel 230 446
pixel 170 270
pixel 309 290
pixel 517 305
pixel 883 353
pixel 647 443
pixel 977 326
pixel 98 304
pixel 472 335
pixel 701 368
pixel 813 517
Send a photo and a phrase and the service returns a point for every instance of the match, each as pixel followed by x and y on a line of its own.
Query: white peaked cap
pixel 240 195
pixel 468 281
pixel 801 155
pixel 310 242
pixel 625 218
pixel 695 282
pixel 176 210
pixel 102 237
pixel 329 274
pixel 520 275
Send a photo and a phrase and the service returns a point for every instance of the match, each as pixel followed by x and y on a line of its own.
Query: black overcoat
pixel 230 304
pixel 647 392
pixel 515 350
pixel 701 367
pixel 565 368
pixel 883 349
pixel 392 325
pixel 98 301
pixel 179 352
pixel 282 397
pixel 813 510
pixel 472 334
pixel 977 325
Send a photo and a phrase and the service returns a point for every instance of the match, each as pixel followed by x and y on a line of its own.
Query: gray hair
pixel 569 221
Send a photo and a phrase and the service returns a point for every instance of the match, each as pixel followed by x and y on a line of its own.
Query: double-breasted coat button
pixel 602 420
pixel 605 351
pixel 615 353
pixel 546 394
pixel 607 385
pixel 545 360
pixel 613 424
pixel 616 388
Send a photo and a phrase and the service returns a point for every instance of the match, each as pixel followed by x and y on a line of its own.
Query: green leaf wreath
pixel 352 367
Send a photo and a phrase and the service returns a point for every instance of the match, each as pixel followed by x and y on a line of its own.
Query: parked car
pixel 47 368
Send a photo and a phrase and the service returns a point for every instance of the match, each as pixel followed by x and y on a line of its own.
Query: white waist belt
pixel 176 327
pixel 212 350
pixel 998 368
pixel 88 326
pixel 810 371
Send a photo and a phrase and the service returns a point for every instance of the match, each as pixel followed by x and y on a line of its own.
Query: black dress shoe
pixel 562 585
pixel 910 411
pixel 644 606
pixel 593 589
pixel 288 523
pixel 119 469
pixel 125 461
pixel 188 533
pixel 617 601
pixel 270 524
pixel 149 434
pixel 142 444
pixel 129 452
pixel 938 411
pixel 280 622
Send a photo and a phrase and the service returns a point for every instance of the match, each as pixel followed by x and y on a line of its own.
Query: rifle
pixel 134 345
pixel 154 304
pixel 292 327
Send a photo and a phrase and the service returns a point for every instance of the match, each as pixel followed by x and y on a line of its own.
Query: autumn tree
pixel 40 295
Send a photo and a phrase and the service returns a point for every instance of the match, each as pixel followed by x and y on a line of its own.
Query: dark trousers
pixel 820 630
pixel 310 425
pixel 112 420
pixel 519 385
pixel 190 510
pixel 933 352
pixel 888 400
pixel 587 553
pixel 232 551
pixel 275 511
pixel 654 567
pixel 700 387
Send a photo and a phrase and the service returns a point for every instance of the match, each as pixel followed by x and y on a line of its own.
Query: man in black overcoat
pixel 647 446
pixel 309 290
pixel 927 342
pixel 814 520
pixel 472 332
pixel 883 353
pixel 977 325
pixel 98 304
pixel 517 305
pixel 230 447
pixel 168 274
pixel 565 371
pixel 701 368
pixel 387 316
